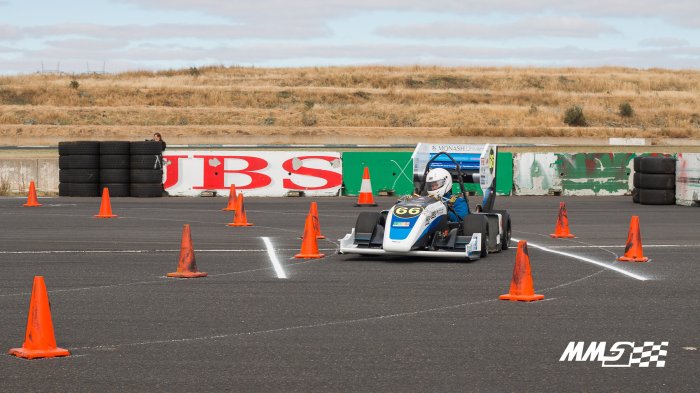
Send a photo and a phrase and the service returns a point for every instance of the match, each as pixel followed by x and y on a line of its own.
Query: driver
pixel 439 185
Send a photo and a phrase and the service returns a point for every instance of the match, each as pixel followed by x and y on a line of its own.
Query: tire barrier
pixel 125 168
pixel 79 173
pixel 654 181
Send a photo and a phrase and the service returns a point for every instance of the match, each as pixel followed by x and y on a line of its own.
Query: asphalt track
pixel 341 323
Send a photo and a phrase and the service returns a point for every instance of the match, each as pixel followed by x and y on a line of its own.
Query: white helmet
pixel 438 182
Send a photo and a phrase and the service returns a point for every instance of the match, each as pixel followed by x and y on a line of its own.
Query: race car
pixel 420 225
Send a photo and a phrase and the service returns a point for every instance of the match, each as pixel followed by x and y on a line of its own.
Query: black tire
pixel 146 190
pixel 477 223
pixel 114 161
pixel 657 197
pixel 658 165
pixel 652 181
pixel 79 176
pixel 114 176
pixel 79 148
pixel 507 231
pixel 635 195
pixel 79 189
pixel 143 176
pixel 78 162
pixel 637 163
pixel 144 148
pixel 635 179
pixel 366 222
pixel 115 148
pixel 64 189
pixel 151 161
pixel 116 189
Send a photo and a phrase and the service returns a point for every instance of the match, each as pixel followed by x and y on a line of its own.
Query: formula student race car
pixel 419 225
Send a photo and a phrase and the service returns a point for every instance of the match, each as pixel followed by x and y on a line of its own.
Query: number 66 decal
pixel 407 211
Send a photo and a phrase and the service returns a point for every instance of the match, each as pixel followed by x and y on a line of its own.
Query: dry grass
pixel 528 102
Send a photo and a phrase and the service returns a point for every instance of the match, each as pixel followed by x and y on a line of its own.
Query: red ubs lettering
pixel 214 172
pixel 333 179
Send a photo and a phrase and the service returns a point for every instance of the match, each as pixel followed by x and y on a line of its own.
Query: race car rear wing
pixel 466 164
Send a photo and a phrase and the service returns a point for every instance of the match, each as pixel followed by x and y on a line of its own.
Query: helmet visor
pixel 436 184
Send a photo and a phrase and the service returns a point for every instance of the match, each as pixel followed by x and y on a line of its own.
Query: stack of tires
pixel 654 181
pixel 114 168
pixel 79 169
pixel 146 169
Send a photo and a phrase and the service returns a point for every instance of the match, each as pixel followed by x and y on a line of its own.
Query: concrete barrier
pixel 17 173
pixel 688 179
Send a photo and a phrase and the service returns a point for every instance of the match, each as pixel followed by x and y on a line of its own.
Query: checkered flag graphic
pixel 645 355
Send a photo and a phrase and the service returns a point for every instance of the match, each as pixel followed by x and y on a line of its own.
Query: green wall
pixel 394 171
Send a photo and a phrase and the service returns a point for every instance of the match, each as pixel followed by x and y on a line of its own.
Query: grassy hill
pixel 243 105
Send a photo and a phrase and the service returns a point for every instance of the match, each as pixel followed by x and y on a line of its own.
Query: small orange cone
pixel 239 217
pixel 521 287
pixel 231 199
pixel 562 229
pixel 365 198
pixel 105 206
pixel 633 248
pixel 187 265
pixel 313 210
pixel 31 199
pixel 309 245
pixel 39 339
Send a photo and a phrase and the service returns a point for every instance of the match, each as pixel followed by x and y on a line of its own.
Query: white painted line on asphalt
pixel 145 251
pixel 273 258
pixel 623 246
pixel 589 260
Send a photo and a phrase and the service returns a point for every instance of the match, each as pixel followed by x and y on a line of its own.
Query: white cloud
pixel 680 12
pixel 526 27
pixel 663 42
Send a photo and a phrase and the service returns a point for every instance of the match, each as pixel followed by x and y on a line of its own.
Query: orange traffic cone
pixel 187 265
pixel 31 198
pixel 309 245
pixel 365 198
pixel 105 206
pixel 231 199
pixel 562 229
pixel 313 210
pixel 521 288
pixel 633 248
pixel 39 339
pixel 239 217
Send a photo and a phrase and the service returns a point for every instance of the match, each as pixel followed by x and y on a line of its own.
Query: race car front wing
pixel 472 250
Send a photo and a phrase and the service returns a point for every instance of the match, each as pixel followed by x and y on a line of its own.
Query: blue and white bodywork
pixel 414 226
pixel 419 225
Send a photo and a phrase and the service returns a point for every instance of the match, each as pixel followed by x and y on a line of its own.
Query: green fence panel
pixel 388 171
pixel 394 171
pixel 595 173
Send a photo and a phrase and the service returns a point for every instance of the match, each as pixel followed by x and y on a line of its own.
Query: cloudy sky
pixel 80 35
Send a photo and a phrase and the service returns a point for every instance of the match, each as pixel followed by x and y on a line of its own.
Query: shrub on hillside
pixel 574 117
pixel 626 109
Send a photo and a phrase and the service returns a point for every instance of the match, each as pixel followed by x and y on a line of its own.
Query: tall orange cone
pixel 562 229
pixel 521 287
pixel 187 265
pixel 309 245
pixel 239 217
pixel 313 210
pixel 31 198
pixel 39 339
pixel 232 198
pixel 365 198
pixel 105 206
pixel 633 248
